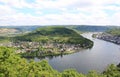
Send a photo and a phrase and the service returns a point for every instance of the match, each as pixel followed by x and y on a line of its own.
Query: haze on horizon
pixel 59 12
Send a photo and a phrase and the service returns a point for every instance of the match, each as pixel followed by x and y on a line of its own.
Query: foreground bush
pixel 12 65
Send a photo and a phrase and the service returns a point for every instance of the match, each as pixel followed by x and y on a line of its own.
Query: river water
pixel 97 58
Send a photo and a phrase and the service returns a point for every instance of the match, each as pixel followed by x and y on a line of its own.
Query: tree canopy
pixel 12 65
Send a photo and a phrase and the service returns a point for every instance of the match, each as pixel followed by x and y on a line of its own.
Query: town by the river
pixel 97 58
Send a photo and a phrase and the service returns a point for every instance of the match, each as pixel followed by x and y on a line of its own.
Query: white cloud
pixel 84 12
pixel 6 10
pixel 16 3
pixel 115 19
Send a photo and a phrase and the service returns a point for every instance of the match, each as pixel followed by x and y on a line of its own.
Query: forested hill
pixel 55 31
pixel 88 28
pixel 55 35
pixel 115 31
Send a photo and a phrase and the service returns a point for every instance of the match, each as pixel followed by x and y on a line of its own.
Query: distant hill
pixel 55 31
pixel 7 30
pixel 115 31
pixel 55 35
pixel 83 28
pixel 22 28
pixel 87 28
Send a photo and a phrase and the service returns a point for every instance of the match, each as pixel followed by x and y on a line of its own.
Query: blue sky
pixel 59 12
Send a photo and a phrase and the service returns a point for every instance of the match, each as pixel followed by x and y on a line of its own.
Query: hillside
pixel 90 28
pixel 115 31
pixel 6 30
pixel 9 31
pixel 54 35
pixel 47 41
pixel 112 35
pixel 6 33
pixel 23 28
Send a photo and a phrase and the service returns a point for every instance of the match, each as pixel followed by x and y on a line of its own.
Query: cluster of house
pixel 109 37
pixel 63 47
pixel 34 46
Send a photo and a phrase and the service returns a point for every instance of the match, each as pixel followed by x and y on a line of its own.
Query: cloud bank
pixel 59 12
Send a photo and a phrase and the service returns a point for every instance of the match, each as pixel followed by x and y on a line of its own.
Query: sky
pixel 59 12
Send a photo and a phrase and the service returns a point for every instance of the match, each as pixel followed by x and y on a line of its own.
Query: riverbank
pixel 43 55
pixel 96 58
pixel 38 49
pixel 108 37
pixel 51 49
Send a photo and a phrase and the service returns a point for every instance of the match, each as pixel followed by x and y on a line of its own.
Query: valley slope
pixel 49 41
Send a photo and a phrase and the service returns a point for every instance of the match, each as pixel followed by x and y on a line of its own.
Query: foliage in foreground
pixel 11 65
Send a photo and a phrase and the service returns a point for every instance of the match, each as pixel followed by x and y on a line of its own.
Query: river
pixel 97 58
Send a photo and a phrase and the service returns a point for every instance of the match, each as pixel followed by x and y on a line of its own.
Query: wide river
pixel 97 58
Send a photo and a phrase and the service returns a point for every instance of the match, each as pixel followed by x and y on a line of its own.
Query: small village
pixel 23 47
pixel 109 37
